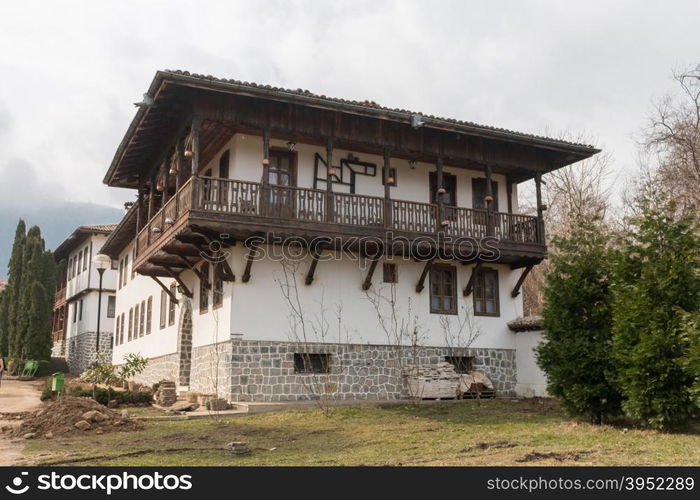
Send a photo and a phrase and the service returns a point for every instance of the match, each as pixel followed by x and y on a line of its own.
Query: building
pixel 281 238
pixel 74 322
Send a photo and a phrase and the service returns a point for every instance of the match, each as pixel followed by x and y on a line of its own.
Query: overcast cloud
pixel 70 71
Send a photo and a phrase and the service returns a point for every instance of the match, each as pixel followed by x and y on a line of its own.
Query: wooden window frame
pixel 277 151
pixel 111 308
pixel 142 319
pixel 494 192
pixel 436 272
pixel 149 314
pixel 446 180
pixel 217 296
pixel 163 309
pixel 85 258
pixel 80 312
pixel 172 305
pixel 130 332
pixel 204 286
pixel 137 312
pixel 480 287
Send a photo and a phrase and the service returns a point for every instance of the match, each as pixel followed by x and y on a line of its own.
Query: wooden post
pixel 196 125
pixel 440 186
pixel 540 217
pixel 151 202
pixel 265 199
pixel 489 202
pixel 387 189
pixel 178 176
pixel 166 181
pixel 329 180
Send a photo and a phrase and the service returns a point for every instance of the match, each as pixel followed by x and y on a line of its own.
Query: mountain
pixel 56 220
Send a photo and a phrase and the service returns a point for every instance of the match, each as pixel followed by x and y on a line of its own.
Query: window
pixel 80 312
pixel 121 331
pixel 131 323
pixel 149 311
pixel 80 262
pixel 114 265
pixel 137 307
pixel 204 288
pixel 126 267
pixel 479 193
pixel 218 293
pixel 75 312
pixel 390 274
pixel 449 182
pixel 312 363
pixel 462 364
pixel 223 165
pixel 121 274
pixel 443 290
pixel 163 308
pixel 171 309
pixel 142 319
pixel 111 306
pixel 133 255
pixel 486 293
pixel 86 258
pixel 116 333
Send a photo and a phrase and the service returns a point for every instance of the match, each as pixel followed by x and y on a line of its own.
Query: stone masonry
pixel 264 371
pixel 80 350
pixel 239 370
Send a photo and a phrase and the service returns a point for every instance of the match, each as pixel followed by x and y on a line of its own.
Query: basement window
pixel 311 363
pixel 462 364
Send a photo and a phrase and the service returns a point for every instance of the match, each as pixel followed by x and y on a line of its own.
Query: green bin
pixel 57 382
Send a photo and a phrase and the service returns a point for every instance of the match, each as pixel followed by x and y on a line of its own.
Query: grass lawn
pixel 500 432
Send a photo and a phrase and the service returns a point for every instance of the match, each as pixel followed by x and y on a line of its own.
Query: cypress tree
pixel 3 323
pixel 656 291
pixel 38 279
pixel 12 292
pixel 577 321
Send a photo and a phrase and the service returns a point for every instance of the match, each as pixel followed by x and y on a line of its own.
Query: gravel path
pixel 16 396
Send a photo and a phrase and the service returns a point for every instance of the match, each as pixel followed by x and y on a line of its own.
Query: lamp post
pixel 101 262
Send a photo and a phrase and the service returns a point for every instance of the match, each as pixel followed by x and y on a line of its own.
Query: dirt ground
pixel 16 397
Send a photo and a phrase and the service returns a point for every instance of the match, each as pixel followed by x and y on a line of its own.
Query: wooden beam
pixel 166 289
pixel 225 271
pixel 315 254
pixel 186 291
pixel 470 284
pixel 387 188
pixel 423 275
pixel 249 262
pixel 196 125
pixel 516 289
pixel 368 279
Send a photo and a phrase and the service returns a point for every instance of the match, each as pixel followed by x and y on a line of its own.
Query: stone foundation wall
pixel 264 371
pixel 58 349
pixel 80 350
pixel 160 368
pixel 210 372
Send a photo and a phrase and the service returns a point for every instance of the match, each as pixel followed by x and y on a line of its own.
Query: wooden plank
pixel 166 289
pixel 516 289
pixel 470 284
pixel 421 281
pixel 368 279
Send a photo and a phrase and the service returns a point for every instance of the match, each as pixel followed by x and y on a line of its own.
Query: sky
pixel 70 71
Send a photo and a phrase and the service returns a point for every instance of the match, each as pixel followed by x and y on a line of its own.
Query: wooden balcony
pixel 240 209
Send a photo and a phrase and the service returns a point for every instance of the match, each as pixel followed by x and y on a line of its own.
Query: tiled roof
pixel 368 105
pixel 100 227
pixel 526 323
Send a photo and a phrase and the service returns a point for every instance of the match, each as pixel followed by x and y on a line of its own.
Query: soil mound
pixel 71 415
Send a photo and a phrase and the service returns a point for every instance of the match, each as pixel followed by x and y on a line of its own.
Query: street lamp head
pixel 102 261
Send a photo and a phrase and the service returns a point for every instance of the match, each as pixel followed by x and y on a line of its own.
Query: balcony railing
pixel 229 196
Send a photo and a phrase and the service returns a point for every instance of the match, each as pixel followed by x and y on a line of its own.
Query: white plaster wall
pixel 531 380
pixel 90 277
pixel 88 323
pixel 412 185
pixel 260 311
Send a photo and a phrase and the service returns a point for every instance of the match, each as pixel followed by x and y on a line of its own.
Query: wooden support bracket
pixel 368 279
pixel 253 248
pixel 315 254
pixel 421 281
pixel 470 284
pixel 186 291
pixel 225 271
pixel 516 289
pixel 166 289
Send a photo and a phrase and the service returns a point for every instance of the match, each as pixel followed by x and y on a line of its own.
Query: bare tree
pixel 405 336
pixel 459 333
pixel 672 136
pixel 307 328
pixel 572 194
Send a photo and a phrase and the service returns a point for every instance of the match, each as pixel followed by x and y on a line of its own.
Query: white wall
pixel 411 185
pixel 531 379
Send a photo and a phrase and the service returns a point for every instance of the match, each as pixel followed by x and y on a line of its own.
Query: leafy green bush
pixel 656 286
pixel 577 320
pixel 103 396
